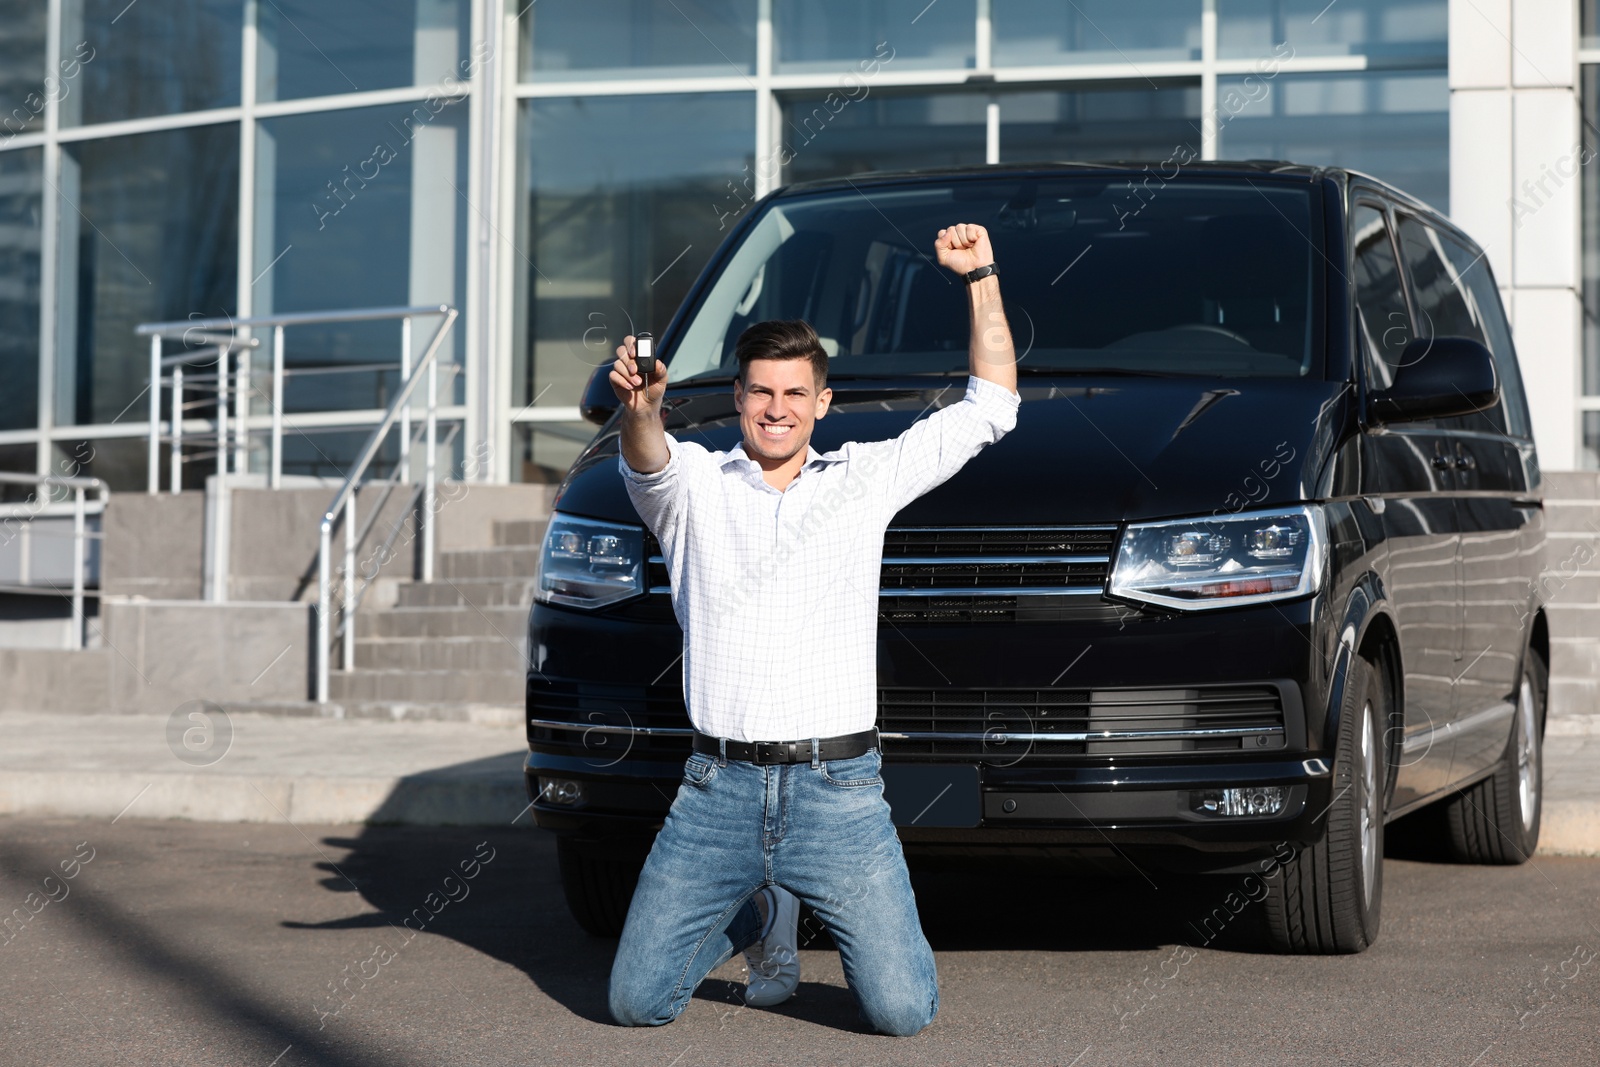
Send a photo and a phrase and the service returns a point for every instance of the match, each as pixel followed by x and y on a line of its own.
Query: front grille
pixel 1013 724
pixel 976 573
pixel 611 722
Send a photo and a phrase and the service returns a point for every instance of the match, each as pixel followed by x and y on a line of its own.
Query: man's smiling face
pixel 778 404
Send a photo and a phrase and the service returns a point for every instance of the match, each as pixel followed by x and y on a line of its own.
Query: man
pixel 774 553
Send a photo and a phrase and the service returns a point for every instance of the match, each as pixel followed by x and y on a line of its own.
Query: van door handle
pixel 1465 462
pixel 1443 462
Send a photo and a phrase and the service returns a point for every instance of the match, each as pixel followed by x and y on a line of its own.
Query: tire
pixel 1328 898
pixel 598 883
pixel 1497 820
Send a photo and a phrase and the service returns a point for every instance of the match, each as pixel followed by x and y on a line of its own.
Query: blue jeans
pixel 821 831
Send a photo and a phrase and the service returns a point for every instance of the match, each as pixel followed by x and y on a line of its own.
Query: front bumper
pixel 623 740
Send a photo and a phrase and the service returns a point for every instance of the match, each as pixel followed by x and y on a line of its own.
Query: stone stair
pixel 451 649
pixel 1572 585
pixel 458 643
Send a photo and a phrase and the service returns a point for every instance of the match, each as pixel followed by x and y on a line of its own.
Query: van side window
pixel 1447 307
pixel 1484 303
pixel 1381 313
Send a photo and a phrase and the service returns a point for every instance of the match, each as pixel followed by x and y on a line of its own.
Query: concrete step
pixel 1568 485
pixel 520 532
pixel 505 561
pixel 1573 696
pixel 508 623
pixel 1575 657
pixel 384 710
pixel 429 687
pixel 275 768
pixel 1573 620
pixel 466 592
pixel 439 654
pixel 1572 516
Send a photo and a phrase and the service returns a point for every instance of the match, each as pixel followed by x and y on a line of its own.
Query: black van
pixel 1255 574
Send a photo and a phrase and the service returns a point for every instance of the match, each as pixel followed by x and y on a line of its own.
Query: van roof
pixel 1276 169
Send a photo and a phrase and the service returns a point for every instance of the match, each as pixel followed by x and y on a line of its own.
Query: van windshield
pixel 1188 278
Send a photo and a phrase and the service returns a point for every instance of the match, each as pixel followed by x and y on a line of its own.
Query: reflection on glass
pixel 1029 32
pixel 1101 124
pixel 120 461
pixel 1394 126
pixel 148 232
pixel 23 86
pixel 151 59
pixel 1379 28
pixel 21 186
pixel 545 450
pixel 1188 277
pixel 624 199
pixel 816 35
pixel 360 208
pixel 313 48
pixel 833 135
pixel 566 39
pixel 1589 24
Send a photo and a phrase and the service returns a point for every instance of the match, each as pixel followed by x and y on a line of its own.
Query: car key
pixel 644 355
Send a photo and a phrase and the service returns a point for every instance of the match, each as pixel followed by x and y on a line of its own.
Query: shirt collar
pixel 737 457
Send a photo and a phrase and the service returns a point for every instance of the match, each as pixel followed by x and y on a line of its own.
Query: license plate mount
pixel 937 795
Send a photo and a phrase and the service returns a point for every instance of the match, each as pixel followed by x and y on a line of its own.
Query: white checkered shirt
pixel 777 592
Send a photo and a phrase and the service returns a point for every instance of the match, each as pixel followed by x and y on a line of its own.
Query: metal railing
pixel 226 341
pixel 345 501
pixel 227 346
pixel 81 536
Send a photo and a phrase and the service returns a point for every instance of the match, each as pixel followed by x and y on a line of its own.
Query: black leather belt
pixel 846 746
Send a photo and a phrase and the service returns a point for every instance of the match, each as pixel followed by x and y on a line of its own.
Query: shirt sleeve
pixel 658 497
pixel 934 448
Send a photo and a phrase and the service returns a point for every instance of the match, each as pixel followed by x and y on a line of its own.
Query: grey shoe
pixel 774 961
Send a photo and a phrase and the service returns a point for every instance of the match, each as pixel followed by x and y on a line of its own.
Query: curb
pixel 1569 828
pixel 427 800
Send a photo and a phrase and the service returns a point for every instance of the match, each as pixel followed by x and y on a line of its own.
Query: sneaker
pixel 774 961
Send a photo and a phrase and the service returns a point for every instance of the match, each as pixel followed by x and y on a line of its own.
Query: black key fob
pixel 644 354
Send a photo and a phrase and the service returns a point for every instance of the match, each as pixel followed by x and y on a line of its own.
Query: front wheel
pixel 598 881
pixel 1497 820
pixel 1327 899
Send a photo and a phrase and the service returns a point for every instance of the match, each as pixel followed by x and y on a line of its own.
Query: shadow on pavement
pixel 513 911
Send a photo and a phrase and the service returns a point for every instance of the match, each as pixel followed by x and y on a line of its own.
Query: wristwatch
pixel 982 272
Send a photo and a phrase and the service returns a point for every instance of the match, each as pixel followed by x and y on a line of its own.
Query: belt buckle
pixel 770 752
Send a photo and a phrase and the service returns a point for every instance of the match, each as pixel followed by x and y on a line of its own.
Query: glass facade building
pixel 562 170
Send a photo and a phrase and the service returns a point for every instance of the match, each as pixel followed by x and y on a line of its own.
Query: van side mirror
pixel 1439 377
pixel 599 400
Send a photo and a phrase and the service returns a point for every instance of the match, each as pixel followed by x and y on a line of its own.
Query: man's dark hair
pixel 782 339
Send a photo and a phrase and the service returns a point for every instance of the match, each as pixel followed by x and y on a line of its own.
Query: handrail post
pixel 153 464
pixel 405 412
pixel 241 412
pixel 79 545
pixel 348 614
pixel 175 457
pixel 222 415
pixel 429 484
pixel 321 650
pixel 276 474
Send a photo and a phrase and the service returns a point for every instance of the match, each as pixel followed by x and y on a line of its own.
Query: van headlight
pixel 586 563
pixel 1222 560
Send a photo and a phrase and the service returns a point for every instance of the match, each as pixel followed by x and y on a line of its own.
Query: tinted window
pixel 1446 307
pixel 1380 301
pixel 1484 298
pixel 1186 277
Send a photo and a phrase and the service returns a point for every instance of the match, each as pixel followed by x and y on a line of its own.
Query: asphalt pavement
pixel 141 941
